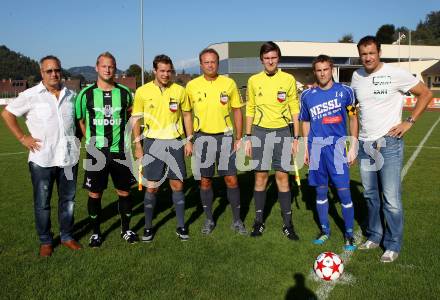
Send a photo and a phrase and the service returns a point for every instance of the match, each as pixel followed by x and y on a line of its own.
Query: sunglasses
pixel 50 71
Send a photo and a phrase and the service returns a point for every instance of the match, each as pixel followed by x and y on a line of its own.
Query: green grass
pixel 222 265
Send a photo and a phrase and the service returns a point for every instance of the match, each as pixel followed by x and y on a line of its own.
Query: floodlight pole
pixel 142 41
pixel 401 36
pixel 398 41
pixel 409 50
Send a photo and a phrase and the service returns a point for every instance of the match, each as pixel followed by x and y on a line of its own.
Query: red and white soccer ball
pixel 328 266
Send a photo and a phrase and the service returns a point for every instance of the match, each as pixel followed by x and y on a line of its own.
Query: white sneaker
pixel 368 245
pixel 389 256
pixel 208 226
pixel 238 227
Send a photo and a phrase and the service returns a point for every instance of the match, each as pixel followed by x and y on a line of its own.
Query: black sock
pixel 125 208
pixel 149 204
pixel 207 196
pixel 94 209
pixel 233 195
pixel 286 207
pixel 260 201
pixel 179 206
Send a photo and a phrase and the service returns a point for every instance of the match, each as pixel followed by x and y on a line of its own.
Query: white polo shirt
pixel 52 121
pixel 380 96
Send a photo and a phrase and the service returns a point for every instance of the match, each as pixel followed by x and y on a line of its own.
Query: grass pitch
pixel 222 265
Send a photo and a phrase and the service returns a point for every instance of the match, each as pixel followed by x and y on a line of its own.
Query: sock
pixel 149 204
pixel 347 210
pixel 94 209
pixel 233 195
pixel 125 208
pixel 322 208
pixel 179 206
pixel 207 196
pixel 286 207
pixel 260 201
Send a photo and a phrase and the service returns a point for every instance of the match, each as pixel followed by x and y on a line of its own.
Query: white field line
pixel 417 151
pixel 13 153
pixel 424 147
pixel 325 288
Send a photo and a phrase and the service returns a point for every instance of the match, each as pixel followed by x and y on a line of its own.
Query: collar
pixel 272 75
pixel 42 89
pixel 164 88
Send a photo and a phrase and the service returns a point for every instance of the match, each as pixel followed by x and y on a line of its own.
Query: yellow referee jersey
pixel 212 101
pixel 161 110
pixel 272 99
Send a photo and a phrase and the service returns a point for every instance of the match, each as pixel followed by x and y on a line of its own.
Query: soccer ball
pixel 328 266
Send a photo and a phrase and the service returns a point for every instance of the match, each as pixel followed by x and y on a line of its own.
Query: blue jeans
pixel 42 182
pixel 381 165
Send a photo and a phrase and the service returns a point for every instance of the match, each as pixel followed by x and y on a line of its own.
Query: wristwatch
pixel 410 120
pixel 246 137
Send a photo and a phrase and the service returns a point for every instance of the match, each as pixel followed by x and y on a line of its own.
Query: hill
pixel 15 65
pixel 88 72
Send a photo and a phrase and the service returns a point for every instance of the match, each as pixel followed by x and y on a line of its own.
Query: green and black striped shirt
pixel 105 114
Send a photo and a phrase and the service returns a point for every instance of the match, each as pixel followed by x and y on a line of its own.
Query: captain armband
pixel 351 110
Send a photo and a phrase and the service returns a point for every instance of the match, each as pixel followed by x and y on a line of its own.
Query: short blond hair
pixel 106 54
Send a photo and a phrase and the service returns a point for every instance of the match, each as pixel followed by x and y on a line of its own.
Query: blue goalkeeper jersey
pixel 326 110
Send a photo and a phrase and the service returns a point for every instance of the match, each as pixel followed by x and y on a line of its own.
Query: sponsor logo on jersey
pixel 382 80
pixel 107 110
pixel 381 84
pixel 224 98
pixel 281 96
pixel 324 107
pixel 106 122
pixel 332 119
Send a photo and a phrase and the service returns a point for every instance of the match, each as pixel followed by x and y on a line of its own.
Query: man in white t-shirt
pixel 54 151
pixel 379 89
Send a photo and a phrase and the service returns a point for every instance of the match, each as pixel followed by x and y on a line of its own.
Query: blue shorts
pixel 328 162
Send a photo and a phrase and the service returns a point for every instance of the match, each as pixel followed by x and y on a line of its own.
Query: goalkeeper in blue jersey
pixel 323 114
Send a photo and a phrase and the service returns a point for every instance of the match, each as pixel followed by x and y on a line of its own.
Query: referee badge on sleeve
pixel 174 105
pixel 281 96
pixel 224 98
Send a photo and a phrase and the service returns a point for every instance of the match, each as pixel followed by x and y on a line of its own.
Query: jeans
pixel 381 165
pixel 42 182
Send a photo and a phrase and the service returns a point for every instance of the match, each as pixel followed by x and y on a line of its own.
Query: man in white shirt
pixel 49 112
pixel 379 89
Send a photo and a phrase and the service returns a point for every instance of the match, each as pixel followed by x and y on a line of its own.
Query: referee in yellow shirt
pixel 272 105
pixel 162 104
pixel 212 97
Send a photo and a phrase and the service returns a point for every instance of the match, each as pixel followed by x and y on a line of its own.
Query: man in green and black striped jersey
pixel 103 111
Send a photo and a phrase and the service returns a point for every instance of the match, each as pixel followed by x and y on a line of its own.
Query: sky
pixel 77 31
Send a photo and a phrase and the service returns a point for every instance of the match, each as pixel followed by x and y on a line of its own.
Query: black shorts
pixel 275 149
pixel 102 163
pixel 211 150
pixel 165 159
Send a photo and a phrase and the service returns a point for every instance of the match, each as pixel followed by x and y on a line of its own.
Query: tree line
pixel 427 32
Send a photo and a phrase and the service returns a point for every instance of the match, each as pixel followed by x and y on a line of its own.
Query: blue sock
pixel 322 208
pixel 347 210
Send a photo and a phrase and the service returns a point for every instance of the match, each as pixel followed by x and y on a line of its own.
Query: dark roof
pixel 432 70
